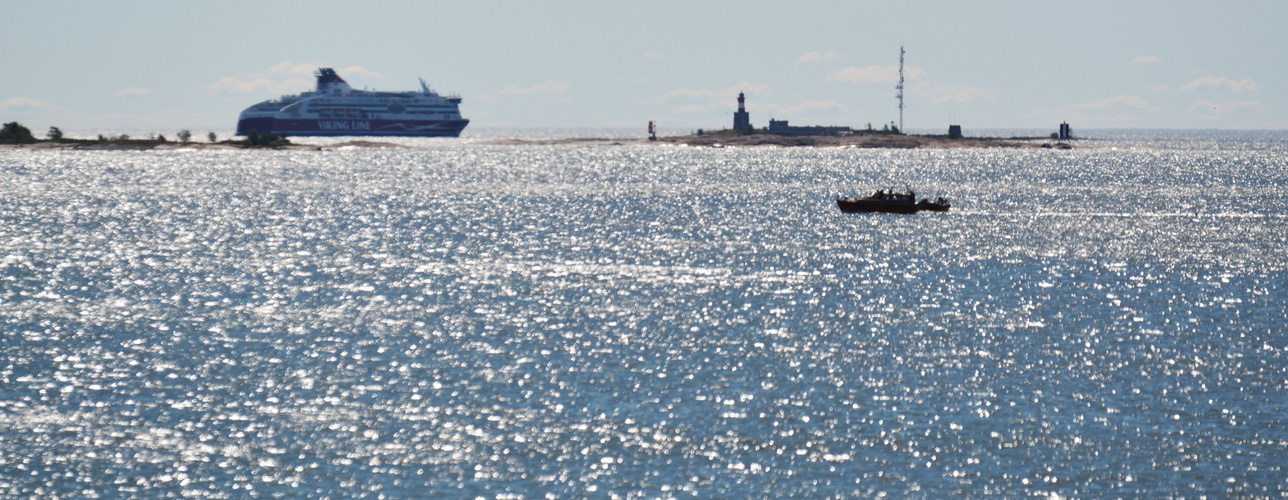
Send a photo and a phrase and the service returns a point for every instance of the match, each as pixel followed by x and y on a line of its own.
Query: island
pixel 15 136
pixel 895 141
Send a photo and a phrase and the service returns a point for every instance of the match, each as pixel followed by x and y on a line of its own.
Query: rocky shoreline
pixel 893 141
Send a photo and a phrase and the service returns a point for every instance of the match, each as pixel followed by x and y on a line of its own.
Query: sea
pixel 459 319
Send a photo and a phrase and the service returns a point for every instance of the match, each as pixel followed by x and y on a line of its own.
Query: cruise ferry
pixel 334 108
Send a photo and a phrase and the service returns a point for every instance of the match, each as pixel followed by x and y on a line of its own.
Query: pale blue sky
pixel 1096 64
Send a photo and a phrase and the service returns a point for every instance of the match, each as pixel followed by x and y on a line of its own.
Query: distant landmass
pixel 896 141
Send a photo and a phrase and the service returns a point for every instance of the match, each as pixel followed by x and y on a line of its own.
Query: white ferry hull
pixel 336 109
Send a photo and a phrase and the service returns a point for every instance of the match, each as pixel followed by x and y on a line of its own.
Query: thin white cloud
pixel 1159 89
pixel 725 93
pixel 283 78
pixel 1106 121
pixel 816 107
pixel 873 74
pixel 22 103
pixel 692 108
pixel 1119 110
pixel 1142 60
pixel 709 101
pixel 291 68
pixel 1119 102
pixel 357 71
pixel 549 87
pixel 689 101
pixel 132 91
pixel 651 55
pixel 686 94
pixel 250 85
pixel 1210 108
pixel 815 57
pixel 938 93
pixel 287 68
pixel 1212 82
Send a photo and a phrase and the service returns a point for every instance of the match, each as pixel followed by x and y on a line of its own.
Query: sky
pixel 984 65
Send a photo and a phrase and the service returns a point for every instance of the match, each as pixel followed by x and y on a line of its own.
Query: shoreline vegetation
pixel 151 144
pixel 16 136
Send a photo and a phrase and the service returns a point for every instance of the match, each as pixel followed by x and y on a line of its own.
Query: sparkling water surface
pixel 463 320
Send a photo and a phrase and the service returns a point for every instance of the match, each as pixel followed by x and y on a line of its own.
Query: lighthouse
pixel 741 120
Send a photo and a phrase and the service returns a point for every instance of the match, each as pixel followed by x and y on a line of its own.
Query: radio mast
pixel 900 88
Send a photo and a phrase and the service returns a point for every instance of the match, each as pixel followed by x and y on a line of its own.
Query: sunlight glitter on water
pixel 474 320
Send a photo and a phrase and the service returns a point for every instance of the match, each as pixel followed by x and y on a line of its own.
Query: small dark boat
pixel 893 203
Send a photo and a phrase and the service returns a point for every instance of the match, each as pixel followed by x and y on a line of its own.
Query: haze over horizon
pixel 1151 64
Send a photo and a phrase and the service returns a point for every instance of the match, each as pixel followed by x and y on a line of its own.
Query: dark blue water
pixel 464 320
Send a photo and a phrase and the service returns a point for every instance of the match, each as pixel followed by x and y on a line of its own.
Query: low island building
pixel 780 127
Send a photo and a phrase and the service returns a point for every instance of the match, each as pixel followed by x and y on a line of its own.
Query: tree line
pixel 16 133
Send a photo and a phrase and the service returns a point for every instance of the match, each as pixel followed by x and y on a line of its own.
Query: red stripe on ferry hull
pixel 353 127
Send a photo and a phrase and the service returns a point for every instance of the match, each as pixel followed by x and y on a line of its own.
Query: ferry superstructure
pixel 334 108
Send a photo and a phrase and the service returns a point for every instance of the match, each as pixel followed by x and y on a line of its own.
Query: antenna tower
pixel 900 88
